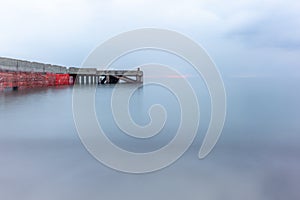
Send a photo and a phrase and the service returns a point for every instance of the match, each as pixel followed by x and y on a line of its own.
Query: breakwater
pixel 20 74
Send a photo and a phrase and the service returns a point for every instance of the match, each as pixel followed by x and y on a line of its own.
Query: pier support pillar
pixel 138 79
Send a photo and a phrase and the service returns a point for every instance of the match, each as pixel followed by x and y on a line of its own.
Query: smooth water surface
pixel 256 158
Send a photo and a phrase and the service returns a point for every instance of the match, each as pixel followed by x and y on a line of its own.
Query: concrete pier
pixel 94 76
pixel 19 73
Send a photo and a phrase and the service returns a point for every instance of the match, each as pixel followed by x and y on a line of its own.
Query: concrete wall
pixel 87 71
pixel 8 64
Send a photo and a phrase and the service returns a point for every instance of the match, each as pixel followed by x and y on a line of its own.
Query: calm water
pixel 257 156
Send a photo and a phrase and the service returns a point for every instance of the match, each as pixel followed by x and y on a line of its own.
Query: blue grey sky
pixel 245 38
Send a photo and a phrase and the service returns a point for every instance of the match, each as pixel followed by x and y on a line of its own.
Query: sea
pixel 257 156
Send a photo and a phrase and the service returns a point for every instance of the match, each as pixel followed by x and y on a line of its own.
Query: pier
pixel 94 76
pixel 19 74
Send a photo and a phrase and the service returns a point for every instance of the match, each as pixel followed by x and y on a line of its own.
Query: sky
pixel 246 38
pixel 254 43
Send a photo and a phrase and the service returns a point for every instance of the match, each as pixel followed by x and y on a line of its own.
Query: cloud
pixel 63 30
pixel 272 26
pixel 234 32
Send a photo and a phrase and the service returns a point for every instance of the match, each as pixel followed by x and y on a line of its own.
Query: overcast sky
pixel 246 37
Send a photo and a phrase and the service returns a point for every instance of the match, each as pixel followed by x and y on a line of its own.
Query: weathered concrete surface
pixel 86 71
pixel 94 71
pixel 9 64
